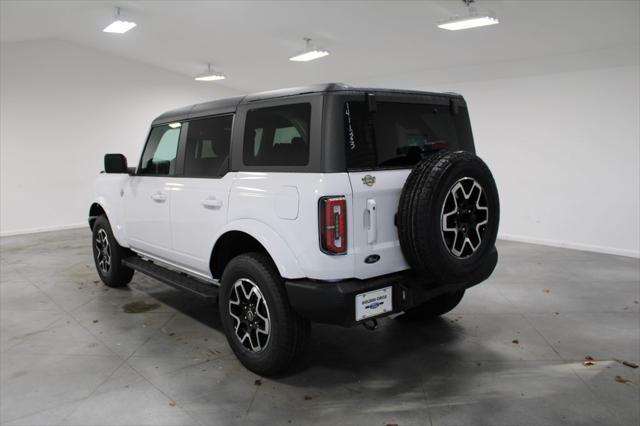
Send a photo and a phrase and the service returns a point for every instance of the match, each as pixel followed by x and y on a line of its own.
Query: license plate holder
pixel 373 303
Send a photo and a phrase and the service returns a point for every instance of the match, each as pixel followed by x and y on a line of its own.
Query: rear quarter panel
pixel 287 203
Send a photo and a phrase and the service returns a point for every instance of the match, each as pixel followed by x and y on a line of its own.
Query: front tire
pixel 263 331
pixel 435 307
pixel 108 255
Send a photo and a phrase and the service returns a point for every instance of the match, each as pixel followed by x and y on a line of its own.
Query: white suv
pixel 326 203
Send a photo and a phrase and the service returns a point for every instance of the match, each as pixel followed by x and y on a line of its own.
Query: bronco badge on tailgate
pixel 369 180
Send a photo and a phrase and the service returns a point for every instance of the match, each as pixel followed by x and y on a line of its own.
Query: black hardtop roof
pixel 229 105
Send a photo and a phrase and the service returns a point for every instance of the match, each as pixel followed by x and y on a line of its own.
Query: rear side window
pixel 159 157
pixel 277 136
pixel 397 134
pixel 207 148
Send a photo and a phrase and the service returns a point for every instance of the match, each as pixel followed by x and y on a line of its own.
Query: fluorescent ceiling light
pixel 471 22
pixel 212 77
pixel 119 26
pixel 310 53
pixel 474 20
pixel 309 56
pixel 209 75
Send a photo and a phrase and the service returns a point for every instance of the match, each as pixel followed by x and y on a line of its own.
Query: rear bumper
pixel 334 302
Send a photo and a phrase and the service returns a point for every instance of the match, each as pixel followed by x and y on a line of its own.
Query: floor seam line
pixel 153 384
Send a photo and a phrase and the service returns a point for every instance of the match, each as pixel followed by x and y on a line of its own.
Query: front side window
pixel 207 147
pixel 398 134
pixel 159 157
pixel 277 136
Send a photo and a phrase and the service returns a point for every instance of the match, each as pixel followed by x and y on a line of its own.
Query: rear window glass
pixel 397 135
pixel 277 136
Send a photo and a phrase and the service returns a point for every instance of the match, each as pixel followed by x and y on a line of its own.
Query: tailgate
pixel 375 236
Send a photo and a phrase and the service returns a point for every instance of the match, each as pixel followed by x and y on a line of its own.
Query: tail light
pixel 333 225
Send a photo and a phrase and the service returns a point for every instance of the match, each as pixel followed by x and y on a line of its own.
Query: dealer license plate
pixel 373 303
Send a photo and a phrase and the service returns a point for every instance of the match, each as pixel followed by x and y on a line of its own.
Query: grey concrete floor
pixel 511 354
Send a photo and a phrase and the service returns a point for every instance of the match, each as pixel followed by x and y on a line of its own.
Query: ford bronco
pixel 327 203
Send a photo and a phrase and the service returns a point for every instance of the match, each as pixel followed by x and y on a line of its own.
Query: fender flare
pixel 116 226
pixel 282 255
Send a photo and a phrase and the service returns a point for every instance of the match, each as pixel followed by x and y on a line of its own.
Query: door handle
pixel 211 203
pixel 159 197
pixel 372 229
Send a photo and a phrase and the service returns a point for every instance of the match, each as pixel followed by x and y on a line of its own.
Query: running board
pixel 177 280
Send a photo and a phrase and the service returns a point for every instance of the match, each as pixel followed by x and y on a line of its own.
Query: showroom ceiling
pixel 250 42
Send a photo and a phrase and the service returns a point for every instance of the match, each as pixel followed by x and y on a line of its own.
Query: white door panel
pixel 147 201
pixel 198 210
pixel 373 217
pixel 147 196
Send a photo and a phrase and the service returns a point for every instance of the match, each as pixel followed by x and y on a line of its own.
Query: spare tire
pixel 448 218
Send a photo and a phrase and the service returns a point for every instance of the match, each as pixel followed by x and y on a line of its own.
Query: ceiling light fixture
pixel 472 21
pixel 209 75
pixel 310 53
pixel 119 26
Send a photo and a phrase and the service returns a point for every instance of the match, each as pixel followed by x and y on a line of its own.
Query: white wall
pixel 62 107
pixel 564 149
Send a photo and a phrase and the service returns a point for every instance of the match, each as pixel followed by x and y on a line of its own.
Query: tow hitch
pixel 370 324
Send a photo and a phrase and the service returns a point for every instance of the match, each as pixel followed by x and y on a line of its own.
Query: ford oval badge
pixel 372 258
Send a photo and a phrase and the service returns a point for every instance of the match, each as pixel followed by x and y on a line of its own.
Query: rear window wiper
pixel 423 149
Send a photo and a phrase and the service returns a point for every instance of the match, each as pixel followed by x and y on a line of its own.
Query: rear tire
pixel 108 255
pixel 263 331
pixel 435 307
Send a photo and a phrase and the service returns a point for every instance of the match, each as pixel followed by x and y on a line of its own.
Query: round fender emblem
pixel 369 180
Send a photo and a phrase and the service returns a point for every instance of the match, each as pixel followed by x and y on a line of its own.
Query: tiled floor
pixel 511 354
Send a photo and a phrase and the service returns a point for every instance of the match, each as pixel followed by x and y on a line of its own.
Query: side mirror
pixel 115 163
